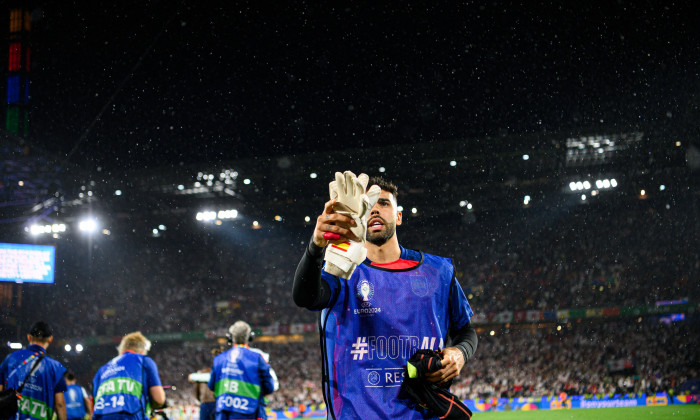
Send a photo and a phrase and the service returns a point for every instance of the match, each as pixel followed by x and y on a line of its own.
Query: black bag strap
pixel 34 366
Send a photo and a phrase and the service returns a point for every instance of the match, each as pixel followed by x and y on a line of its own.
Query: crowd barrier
pixel 492 404
pixel 578 401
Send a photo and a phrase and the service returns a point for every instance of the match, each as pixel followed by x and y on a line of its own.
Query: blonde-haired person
pixel 128 386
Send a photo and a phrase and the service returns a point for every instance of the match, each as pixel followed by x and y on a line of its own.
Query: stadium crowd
pixel 632 252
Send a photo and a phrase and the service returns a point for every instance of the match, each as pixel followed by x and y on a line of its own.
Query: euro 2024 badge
pixel 365 292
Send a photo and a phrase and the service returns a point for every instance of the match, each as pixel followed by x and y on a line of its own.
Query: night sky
pixel 205 82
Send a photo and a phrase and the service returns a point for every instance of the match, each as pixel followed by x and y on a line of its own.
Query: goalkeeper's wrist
pixel 314 250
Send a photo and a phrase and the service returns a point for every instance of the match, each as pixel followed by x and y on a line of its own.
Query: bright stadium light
pixel 453 163
pixel 227 214
pixel 583 197
pixel 307 219
pixel 613 183
pixel 572 186
pixel 469 206
pixel 586 185
pixel 382 169
pixel 88 225
pixel 414 210
pixel 399 208
pixel 118 192
pixel 526 157
pixel 662 187
pixel 606 183
pixel 39 229
pixel 15 346
pixel 78 348
pixel 206 216
pixel 313 175
pixel 180 187
pixel 526 200
pixel 68 347
pixel 246 181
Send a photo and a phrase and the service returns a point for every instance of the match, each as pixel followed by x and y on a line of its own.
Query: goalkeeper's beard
pixel 381 237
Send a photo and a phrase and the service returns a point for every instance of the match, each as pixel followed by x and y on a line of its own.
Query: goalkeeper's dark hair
pixel 69 375
pixel 384 185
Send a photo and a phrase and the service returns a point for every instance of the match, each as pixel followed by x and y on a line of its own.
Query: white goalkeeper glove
pixel 351 200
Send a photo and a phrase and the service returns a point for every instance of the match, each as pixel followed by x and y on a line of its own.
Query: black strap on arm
pixel 34 366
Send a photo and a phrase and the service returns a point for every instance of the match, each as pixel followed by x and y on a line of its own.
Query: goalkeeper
pixel 379 303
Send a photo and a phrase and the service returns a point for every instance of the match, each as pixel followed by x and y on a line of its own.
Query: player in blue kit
pixel 42 395
pixel 128 386
pixel 78 404
pixel 379 311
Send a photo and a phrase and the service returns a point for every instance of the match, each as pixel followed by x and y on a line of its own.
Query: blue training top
pixel 121 386
pixel 373 324
pixel 240 378
pixel 37 401
pixel 75 402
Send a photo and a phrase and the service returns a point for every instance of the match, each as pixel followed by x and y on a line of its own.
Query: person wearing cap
pixel 42 396
pixel 240 378
pixel 78 404
pixel 128 386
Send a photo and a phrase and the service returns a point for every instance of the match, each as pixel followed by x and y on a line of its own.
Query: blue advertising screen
pixel 22 263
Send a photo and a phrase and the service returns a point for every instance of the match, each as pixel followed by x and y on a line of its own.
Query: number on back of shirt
pixel 235 402
pixel 115 401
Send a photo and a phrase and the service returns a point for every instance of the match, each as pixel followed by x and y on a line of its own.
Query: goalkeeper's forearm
pixel 310 290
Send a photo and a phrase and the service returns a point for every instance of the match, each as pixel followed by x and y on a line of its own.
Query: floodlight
pixel 526 157
pixel 613 183
pixel 313 175
pixel 15 346
pixel 307 219
pixel 118 192
pixel 382 169
pixel 453 163
pixel 414 210
pixel 68 347
pixel 246 181
pixel 662 187
pixel 88 225
pixel 78 348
